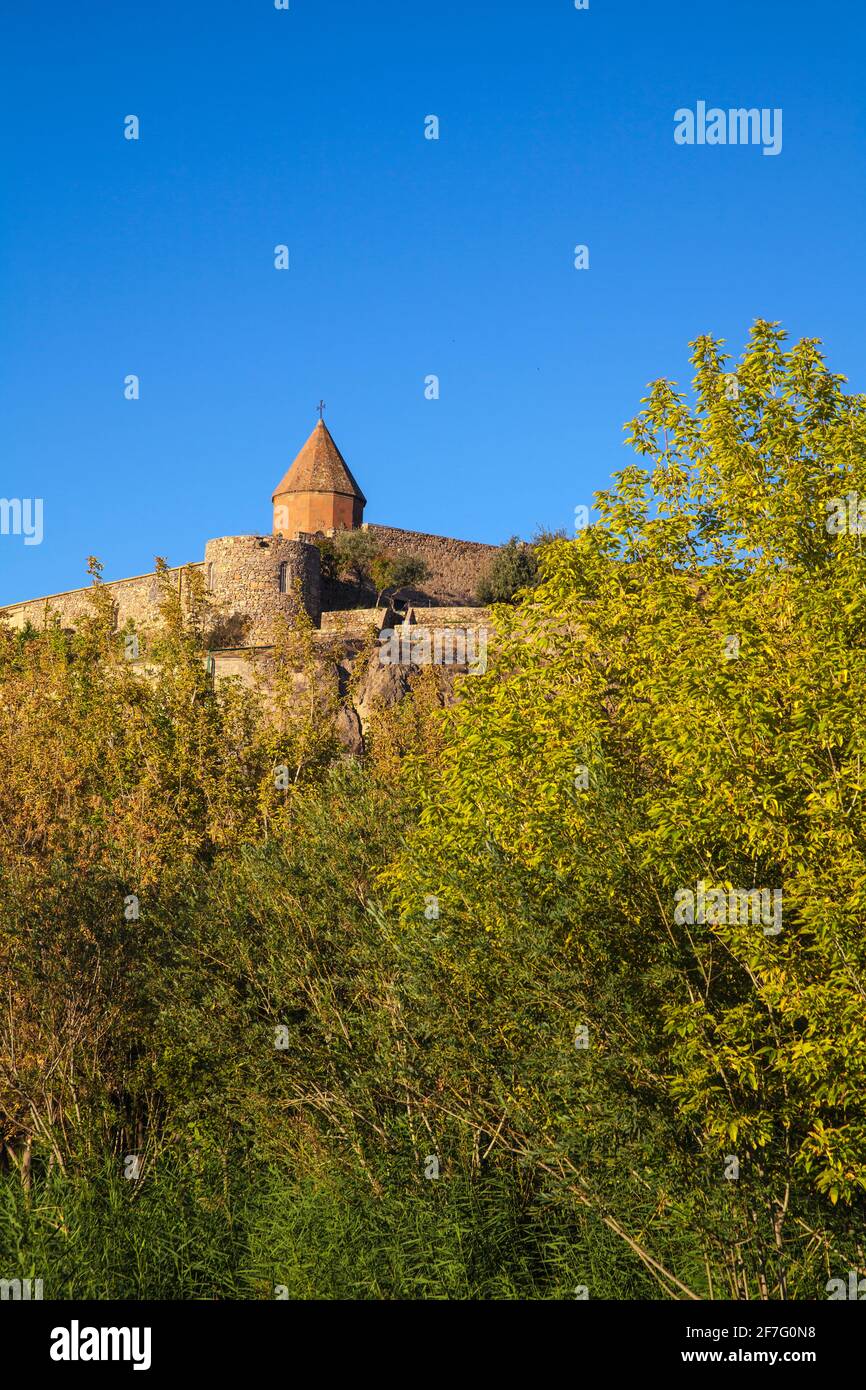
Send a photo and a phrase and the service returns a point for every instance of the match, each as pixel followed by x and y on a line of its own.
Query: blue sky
pixel 408 257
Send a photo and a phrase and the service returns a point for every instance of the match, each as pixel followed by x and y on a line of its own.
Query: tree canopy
pixel 590 938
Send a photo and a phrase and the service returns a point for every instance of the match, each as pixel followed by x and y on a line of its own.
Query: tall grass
pixel 248 1234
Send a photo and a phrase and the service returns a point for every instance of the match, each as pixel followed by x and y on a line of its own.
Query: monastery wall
pixel 455 566
pixel 136 600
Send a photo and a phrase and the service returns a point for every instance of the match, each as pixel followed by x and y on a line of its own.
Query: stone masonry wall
pixel 455 566
pixel 135 599
pixel 243 576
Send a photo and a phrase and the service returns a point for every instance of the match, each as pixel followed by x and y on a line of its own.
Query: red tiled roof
pixel 320 467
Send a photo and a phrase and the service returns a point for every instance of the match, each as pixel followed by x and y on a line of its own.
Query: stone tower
pixel 318 493
pixel 258 580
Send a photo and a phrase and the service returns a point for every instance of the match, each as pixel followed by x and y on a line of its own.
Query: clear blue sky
pixel 409 257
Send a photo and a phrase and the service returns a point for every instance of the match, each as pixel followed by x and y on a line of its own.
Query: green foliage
pixel 513 569
pixel 328 560
pixel 390 573
pixel 736 764
pixel 362 558
pixel 236 1230
pixel 356 552
pixel 472 945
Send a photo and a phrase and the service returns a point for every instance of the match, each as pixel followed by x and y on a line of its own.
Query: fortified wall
pixel 455 566
pixel 253 583
pixel 136 601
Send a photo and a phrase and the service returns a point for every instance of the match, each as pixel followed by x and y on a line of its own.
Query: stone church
pixel 253 582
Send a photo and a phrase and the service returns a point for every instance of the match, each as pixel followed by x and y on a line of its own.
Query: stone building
pixel 254 583
pixel 318 494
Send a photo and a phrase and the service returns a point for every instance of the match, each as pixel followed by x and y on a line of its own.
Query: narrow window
pixel 284 577
pixel 210 577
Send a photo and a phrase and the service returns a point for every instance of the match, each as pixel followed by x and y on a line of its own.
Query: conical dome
pixel 318 493
pixel 320 467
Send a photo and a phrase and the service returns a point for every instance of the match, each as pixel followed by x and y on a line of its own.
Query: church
pixel 254 582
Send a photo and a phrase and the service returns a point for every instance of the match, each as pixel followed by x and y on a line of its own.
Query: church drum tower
pixel 318 493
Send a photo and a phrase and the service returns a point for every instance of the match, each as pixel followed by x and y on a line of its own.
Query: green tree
pixel 391 572
pixel 477 944
pixel 513 569
pixel 356 551
pixel 330 568
pixel 678 702
pixel 367 562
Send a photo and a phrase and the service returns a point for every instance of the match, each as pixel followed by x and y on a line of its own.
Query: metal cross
pixel 321 409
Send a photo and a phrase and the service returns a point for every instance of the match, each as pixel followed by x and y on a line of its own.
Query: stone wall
pixel 242 574
pixel 449 617
pixel 354 620
pixel 243 578
pixel 136 600
pixel 455 566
